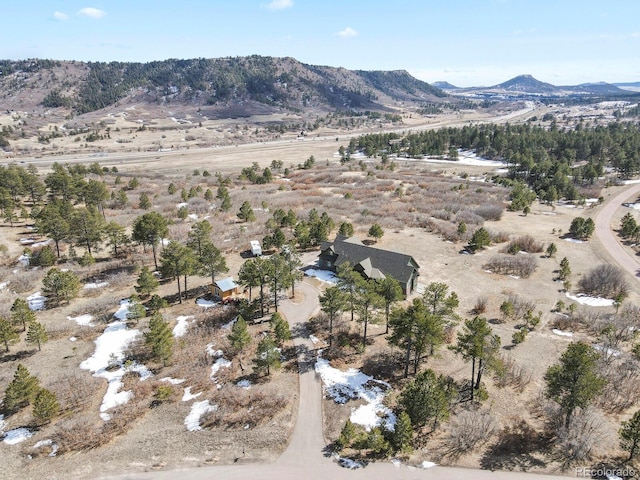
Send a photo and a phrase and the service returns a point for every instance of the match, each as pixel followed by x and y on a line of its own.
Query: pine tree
pixel 160 339
pixel 8 334
pixel 239 336
pixel 551 250
pixel 37 335
pixel 136 310
pixel 346 435
pixel 45 406
pixel 59 286
pixel 145 202
pixel 246 212
pixel 280 328
pixel 267 356
pixel 376 232
pixel 479 240
pixel 21 391
pixel 403 434
pixel 147 282
pixel 155 303
pixel 21 313
pixel 630 435
pixel 428 398
pixel 565 269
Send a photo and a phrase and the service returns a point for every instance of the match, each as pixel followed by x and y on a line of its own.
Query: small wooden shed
pixel 226 288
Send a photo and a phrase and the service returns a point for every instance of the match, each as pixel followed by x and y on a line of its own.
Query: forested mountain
pixel 271 82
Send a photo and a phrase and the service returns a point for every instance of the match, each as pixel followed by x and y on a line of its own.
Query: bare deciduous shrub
pixel 480 306
pixel 498 237
pixel 509 373
pixel 468 431
pixel 520 265
pixel 74 391
pixel 470 218
pixel 523 243
pixel 521 306
pixel 239 407
pixel 569 322
pixel 490 212
pixel 604 281
pixel 76 435
pixel 622 389
pixel 26 281
pixel 580 441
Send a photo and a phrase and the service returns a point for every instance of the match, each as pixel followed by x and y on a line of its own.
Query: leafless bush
pixel 580 440
pixel 469 218
pixel 490 212
pixel 239 407
pixel 26 281
pixel 75 435
pixel 498 237
pixel 523 243
pixel 468 431
pixel 119 279
pixel 521 265
pixel 511 374
pixel 102 308
pixel 74 391
pixel 605 280
pixel 565 322
pixel 480 306
pixel 622 389
pixel 521 306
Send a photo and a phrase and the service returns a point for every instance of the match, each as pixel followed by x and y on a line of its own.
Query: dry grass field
pixel 419 206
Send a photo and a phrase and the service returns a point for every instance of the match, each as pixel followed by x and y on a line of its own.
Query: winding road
pixel 605 234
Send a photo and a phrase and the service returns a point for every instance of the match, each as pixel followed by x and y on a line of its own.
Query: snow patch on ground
pixel 198 409
pixel 246 384
pixel 182 326
pixel 187 396
pixel 17 435
pixel 610 352
pixel 562 333
pixel 93 285
pixel 315 340
pixel 48 443
pixel 352 384
pixel 173 381
pixel 227 326
pixel 573 240
pixel 212 351
pixel 323 275
pixel 217 365
pixel 428 464
pixel 347 462
pixel 83 320
pixel 36 301
pixel 591 301
pixel 206 303
pixel 3 285
pixel 107 361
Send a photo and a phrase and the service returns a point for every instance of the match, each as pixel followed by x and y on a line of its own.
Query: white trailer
pixel 256 249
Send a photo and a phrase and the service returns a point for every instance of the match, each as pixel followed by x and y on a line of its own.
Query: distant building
pixel 370 262
pixel 225 288
pixel 256 249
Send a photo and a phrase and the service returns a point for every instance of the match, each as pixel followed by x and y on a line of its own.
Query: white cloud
pixel 280 4
pixel 60 16
pixel 92 12
pixel 347 32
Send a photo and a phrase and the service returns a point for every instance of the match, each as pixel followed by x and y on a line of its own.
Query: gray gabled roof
pixel 226 284
pixel 374 262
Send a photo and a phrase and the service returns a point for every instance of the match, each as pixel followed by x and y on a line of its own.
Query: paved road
pixel 609 240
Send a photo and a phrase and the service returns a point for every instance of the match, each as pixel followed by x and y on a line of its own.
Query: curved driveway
pixel 304 458
pixel 605 233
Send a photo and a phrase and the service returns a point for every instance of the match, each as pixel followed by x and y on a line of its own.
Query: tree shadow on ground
pixel 516 448
pixel 16 356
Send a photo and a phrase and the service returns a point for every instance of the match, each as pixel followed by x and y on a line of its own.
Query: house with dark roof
pixel 370 262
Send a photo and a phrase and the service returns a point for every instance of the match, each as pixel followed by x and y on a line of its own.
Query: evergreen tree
pixel 347 434
pixel 478 344
pixel 149 229
pixel 211 262
pixel 147 282
pixel 346 229
pixel 551 250
pixel 145 202
pixel 630 435
pixel 239 337
pixel 376 232
pixel 246 212
pixel 160 339
pixel 37 335
pixel 59 286
pixel 21 313
pixel 390 291
pixel 8 334
pixel 136 310
pixel 21 391
pixel 267 356
pixel 428 398
pixel 402 438
pixel 280 328
pixel 479 240
pixel 45 406
pixel 333 301
pixel 565 269
pixel 574 382
pixel 155 303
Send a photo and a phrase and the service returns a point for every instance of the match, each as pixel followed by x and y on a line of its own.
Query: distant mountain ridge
pixel 255 82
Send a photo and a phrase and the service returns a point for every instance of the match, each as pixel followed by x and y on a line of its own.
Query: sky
pixel 464 42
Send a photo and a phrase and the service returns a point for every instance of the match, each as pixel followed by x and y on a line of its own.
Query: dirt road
pixel 604 231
